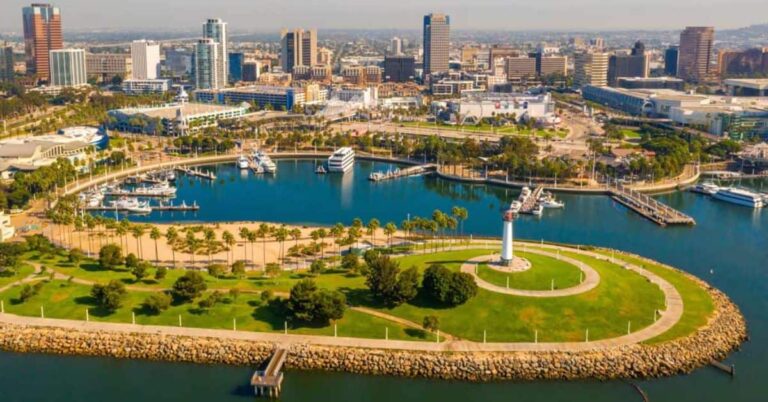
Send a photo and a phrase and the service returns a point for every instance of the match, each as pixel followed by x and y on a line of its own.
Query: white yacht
pixel 131 205
pixel 263 160
pixel 538 210
pixel 740 196
pixel 342 160
pixel 548 201
pixel 524 194
pixel 162 188
pixel 242 162
pixel 706 187
pixel 515 206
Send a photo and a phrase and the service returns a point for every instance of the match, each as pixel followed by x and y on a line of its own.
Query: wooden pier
pixel 196 173
pixel 648 207
pixel 175 208
pixel 410 171
pixel 269 382
pixel 533 199
pixel 725 368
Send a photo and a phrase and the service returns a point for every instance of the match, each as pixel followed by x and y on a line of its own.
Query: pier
pixel 268 382
pixel 125 193
pixel 722 367
pixel 648 207
pixel 196 173
pixel 530 203
pixel 174 208
pixel 396 174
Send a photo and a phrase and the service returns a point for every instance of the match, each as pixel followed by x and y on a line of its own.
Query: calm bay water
pixel 731 241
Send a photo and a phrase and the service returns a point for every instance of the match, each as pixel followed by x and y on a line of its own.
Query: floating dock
pixel 269 382
pixel 396 174
pixel 196 173
pixel 530 203
pixel 175 208
pixel 648 207
pixel 137 194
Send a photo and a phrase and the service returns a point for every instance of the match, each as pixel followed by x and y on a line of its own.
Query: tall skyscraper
pixel 6 63
pixel 395 46
pixel 590 68
pixel 298 48
pixel 743 63
pixel 67 68
pixel 399 68
pixel 437 39
pixel 671 56
pixel 216 30
pixel 634 64
pixel 145 59
pixel 236 61
pixel 694 62
pixel 207 63
pixel 42 33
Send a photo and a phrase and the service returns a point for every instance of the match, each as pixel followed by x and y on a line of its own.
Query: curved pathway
pixel 591 278
pixel 667 320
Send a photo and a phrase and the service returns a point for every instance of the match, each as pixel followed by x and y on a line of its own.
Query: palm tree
pixel 322 233
pixel 337 231
pixel 390 229
pixel 461 214
pixel 79 228
pixel 90 223
pixel 372 226
pixel 244 237
pixel 137 232
pixel 451 223
pixel 407 225
pixel 252 237
pixel 191 242
pixel 295 234
pixel 440 220
pixel 155 235
pixel 262 232
pixel 210 241
pixel 171 236
pixel 229 240
pixel 281 234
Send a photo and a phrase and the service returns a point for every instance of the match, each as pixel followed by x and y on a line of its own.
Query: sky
pixel 509 15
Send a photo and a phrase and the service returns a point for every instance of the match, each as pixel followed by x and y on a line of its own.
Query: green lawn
pixel 630 134
pixel 22 272
pixel 539 277
pixel 620 297
pixel 698 303
pixel 61 299
pixel 486 128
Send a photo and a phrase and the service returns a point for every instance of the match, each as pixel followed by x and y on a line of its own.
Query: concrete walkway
pixel 591 277
pixel 666 321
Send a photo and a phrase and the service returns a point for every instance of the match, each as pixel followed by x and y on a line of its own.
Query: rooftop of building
pixel 650 79
pixel 170 111
pixel 274 89
pixel 756 83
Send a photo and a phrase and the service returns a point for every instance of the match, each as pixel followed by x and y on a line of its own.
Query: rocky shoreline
pixel 724 333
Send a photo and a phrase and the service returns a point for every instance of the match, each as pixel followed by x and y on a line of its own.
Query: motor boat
pixel 740 196
pixel 242 162
pixel 706 187
pixel 262 159
pixel 538 210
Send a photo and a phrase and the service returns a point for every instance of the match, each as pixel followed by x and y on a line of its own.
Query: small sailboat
pixel 320 169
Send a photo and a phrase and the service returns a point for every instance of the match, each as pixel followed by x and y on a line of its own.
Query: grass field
pixel 622 296
pixel 23 271
pixel 630 134
pixel 485 128
pixel 543 271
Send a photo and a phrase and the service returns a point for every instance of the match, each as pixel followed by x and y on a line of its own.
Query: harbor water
pixel 728 247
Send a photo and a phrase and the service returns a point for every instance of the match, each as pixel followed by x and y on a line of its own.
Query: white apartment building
pixel 145 57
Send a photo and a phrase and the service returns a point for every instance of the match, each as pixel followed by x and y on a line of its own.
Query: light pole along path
pixel 667 320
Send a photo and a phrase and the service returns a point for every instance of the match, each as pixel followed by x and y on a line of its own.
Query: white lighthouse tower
pixel 507 252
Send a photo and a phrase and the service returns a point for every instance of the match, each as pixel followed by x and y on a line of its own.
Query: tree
pixel 155 235
pixel 110 256
pixel 171 237
pixel 373 226
pixel 161 273
pixel 137 232
pixel 446 287
pixel 210 301
pixel 238 269
pixel 131 261
pixel 217 270
pixel 407 285
pixel 350 262
pixel 390 229
pixel 431 323
pixel 140 271
pixel 109 296
pixel 229 240
pixel 309 304
pixel 75 256
pixel 381 279
pixel 272 269
pixel 192 243
pixel 317 267
pixel 188 287
pixel 461 214
pixel 157 302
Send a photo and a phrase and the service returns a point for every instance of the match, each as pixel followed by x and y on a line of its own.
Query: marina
pixel 197 173
pixel 400 173
pixel 649 207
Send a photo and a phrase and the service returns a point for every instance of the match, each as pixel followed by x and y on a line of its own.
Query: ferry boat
pixel 740 196
pixel 263 160
pixel 242 162
pixel 706 187
pixel 342 160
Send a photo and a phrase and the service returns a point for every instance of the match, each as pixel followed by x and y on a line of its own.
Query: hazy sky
pixel 266 15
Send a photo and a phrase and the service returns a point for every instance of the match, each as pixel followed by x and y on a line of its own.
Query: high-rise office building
pixel 42 33
pixel 324 56
pixel 396 46
pixel 590 68
pixel 105 66
pixel 695 58
pixel 671 56
pixel 743 63
pixel 520 68
pixel 145 59
pixel 6 63
pixel 236 61
pixel 206 65
pixel 634 64
pixel 67 68
pixel 216 30
pixel 548 66
pixel 399 68
pixel 251 71
pixel 298 48
pixel 437 40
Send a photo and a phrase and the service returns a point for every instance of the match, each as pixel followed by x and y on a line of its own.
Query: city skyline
pixel 81 15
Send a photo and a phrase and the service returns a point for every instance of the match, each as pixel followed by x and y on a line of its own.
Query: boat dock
pixel 396 174
pixel 196 173
pixel 125 193
pixel 268 382
pixel 530 203
pixel 648 207
pixel 175 208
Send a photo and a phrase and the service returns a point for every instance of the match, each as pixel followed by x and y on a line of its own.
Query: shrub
pixel 446 287
pixel 75 256
pixel 272 269
pixel 317 267
pixel 157 302
pixel 238 269
pixel 217 270
pixel 140 271
pixel 307 303
pixel 131 261
pixel 161 273
pixel 110 256
pixel 210 301
pixel 188 287
pixel 431 323
pixel 109 296
pixel 350 262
